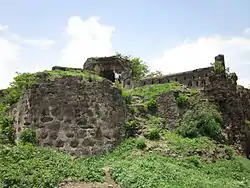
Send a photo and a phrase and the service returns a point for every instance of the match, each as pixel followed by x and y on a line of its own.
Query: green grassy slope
pixel 29 166
pixel 163 159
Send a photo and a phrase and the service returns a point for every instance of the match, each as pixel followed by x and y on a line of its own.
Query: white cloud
pixel 201 52
pixel 247 30
pixel 12 54
pixel 40 43
pixel 87 38
pixel 3 28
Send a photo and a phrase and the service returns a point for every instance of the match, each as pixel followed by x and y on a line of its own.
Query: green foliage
pixel 127 96
pixel 154 134
pixel 233 77
pixel 29 166
pixel 183 145
pixel 193 92
pixel 203 120
pixel 28 135
pixel 151 105
pixel 25 166
pixel 130 127
pixel 151 91
pixel 21 83
pixel 182 99
pixel 218 66
pixel 195 160
pixel 59 74
pixel 156 122
pixel 6 130
pixel 26 80
pixel 140 144
pixel 138 67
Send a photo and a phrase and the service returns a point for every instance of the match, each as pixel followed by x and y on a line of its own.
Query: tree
pixel 139 68
pixel 154 74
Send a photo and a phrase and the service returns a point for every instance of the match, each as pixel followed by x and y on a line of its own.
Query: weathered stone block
pixel 65 111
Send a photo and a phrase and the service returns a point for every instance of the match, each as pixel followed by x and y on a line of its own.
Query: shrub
pixel 139 68
pixel 154 134
pixel 127 96
pixel 182 99
pixel 131 128
pixel 28 135
pixel 194 160
pixel 140 144
pixel 152 105
pixel 6 129
pixel 203 120
pixel 218 66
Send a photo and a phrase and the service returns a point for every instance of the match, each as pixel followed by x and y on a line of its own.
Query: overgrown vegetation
pixel 154 134
pixel 21 83
pixel 140 143
pixel 202 120
pixel 28 135
pixel 29 166
pixel 139 68
pixel 182 99
pixel 188 156
pixel 218 66
pixel 6 130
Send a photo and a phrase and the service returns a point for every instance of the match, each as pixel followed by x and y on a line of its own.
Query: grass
pixel 26 80
pixel 151 91
pixel 168 160
pixel 30 166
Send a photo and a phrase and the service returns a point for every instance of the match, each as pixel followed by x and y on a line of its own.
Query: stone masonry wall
pixel 167 107
pixel 234 104
pixel 198 78
pixel 73 115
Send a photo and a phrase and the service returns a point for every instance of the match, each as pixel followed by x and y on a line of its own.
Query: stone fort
pixel 108 66
pixel 220 88
pixel 86 117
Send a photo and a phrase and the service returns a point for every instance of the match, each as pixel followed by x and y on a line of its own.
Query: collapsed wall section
pixel 73 115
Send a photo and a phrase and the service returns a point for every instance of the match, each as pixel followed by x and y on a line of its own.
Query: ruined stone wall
pixel 198 78
pixel 73 115
pixel 107 67
pixel 234 104
pixel 106 63
pixel 167 107
pixel 66 68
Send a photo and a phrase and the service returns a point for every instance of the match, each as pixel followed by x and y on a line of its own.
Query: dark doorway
pixel 109 74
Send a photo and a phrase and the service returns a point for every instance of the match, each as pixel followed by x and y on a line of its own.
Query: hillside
pixel 173 137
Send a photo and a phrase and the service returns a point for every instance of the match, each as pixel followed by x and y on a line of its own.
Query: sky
pixel 169 35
